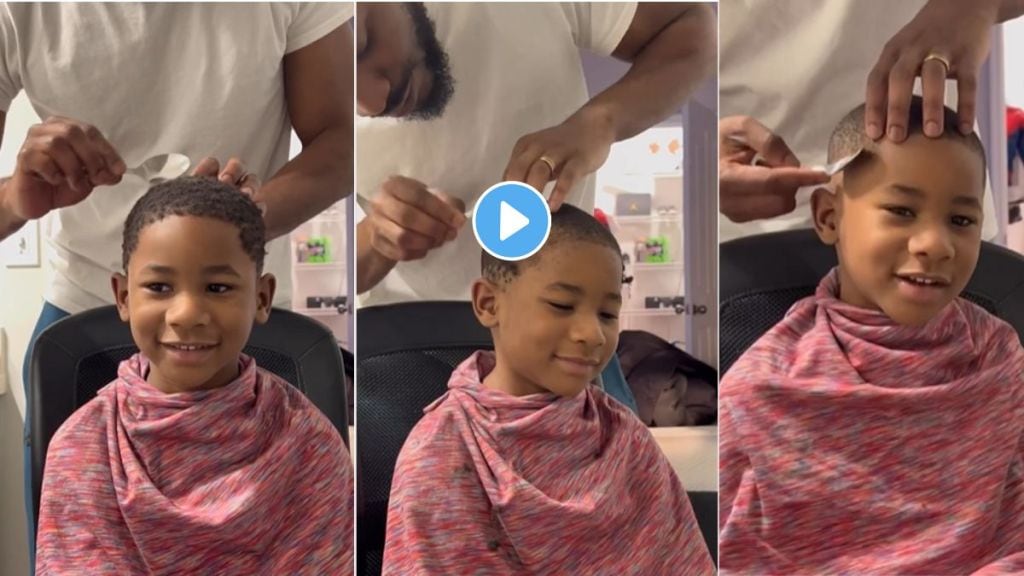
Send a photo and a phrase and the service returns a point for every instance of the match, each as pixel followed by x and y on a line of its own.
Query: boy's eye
pixel 901 211
pixel 609 316
pixel 963 221
pixel 157 287
pixel 218 288
pixel 561 307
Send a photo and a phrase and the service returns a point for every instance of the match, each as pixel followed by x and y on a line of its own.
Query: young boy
pixel 877 428
pixel 523 467
pixel 195 461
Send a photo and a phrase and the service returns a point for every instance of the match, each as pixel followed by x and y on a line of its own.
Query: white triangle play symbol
pixel 510 221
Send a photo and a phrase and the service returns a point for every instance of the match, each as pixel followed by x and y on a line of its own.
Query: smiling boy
pixel 877 428
pixel 524 467
pixel 194 460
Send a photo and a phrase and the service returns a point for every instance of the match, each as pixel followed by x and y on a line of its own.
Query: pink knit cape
pixel 489 483
pixel 853 445
pixel 249 478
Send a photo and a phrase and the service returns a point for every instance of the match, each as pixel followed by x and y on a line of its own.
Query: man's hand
pixel 235 174
pixel 575 148
pixel 59 164
pixel 406 220
pixel 953 30
pixel 766 190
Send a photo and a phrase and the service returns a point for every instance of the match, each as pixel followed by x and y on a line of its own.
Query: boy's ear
pixel 265 286
pixel 824 209
pixel 485 302
pixel 119 283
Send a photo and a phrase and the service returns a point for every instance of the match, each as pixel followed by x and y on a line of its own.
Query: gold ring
pixel 549 162
pixel 940 58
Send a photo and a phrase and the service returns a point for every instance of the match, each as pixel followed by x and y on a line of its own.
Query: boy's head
pixel 554 316
pixel 905 218
pixel 192 286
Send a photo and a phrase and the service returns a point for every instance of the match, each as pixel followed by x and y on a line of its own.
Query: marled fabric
pixel 853 445
pixel 492 484
pixel 245 479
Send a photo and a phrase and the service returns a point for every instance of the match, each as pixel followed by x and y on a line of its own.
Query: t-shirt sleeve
pixel 599 26
pixel 10 70
pixel 312 22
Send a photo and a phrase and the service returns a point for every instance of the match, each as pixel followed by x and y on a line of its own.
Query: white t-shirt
pixel 798 66
pixel 517 70
pixel 199 79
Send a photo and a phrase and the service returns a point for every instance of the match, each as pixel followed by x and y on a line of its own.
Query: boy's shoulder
pixel 301 411
pixel 85 431
pixel 990 331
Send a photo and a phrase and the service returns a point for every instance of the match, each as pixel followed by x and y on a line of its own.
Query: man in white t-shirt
pixel 119 83
pixel 790 69
pixel 454 98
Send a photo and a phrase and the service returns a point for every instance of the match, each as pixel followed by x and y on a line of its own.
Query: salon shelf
pixel 647 220
pixel 656 267
pixel 321 267
pixel 320 311
pixel 649 312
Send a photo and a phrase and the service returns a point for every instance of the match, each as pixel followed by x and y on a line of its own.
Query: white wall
pixel 21 298
pixel 1013 61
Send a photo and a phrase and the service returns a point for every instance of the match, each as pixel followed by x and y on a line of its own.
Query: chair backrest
pixel 75 357
pixel 763 276
pixel 407 353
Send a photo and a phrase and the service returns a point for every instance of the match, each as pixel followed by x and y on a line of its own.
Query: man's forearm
pixel 310 183
pixel 664 72
pixel 371 266
pixel 9 222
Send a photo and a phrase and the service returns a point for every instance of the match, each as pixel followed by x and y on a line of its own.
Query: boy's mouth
pixel 921 279
pixel 925 289
pixel 189 353
pixel 577 365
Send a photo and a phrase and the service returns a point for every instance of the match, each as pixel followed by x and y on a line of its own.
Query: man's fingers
pixel 967 98
pixel 786 181
pixel 901 90
pixel 208 167
pixel 568 175
pixel 933 87
pixel 40 165
pixel 876 98
pixel 88 156
pixel 519 163
pixel 768 144
pixel 402 241
pixel 539 175
pixel 250 185
pixel 69 165
pixel 409 217
pixel 233 172
pixel 416 194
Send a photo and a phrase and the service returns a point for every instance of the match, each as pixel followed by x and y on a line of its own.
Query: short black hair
pixel 201 197
pixel 568 224
pixel 849 135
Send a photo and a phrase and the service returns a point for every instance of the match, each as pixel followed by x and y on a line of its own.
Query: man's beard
pixel 435 59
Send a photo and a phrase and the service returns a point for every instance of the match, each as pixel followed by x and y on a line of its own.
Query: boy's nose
pixel 187 311
pixel 932 242
pixel 588 331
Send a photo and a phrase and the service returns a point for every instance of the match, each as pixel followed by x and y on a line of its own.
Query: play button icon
pixel 511 221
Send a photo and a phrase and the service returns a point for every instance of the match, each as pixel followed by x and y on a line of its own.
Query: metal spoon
pixel 836 167
pixel 160 168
